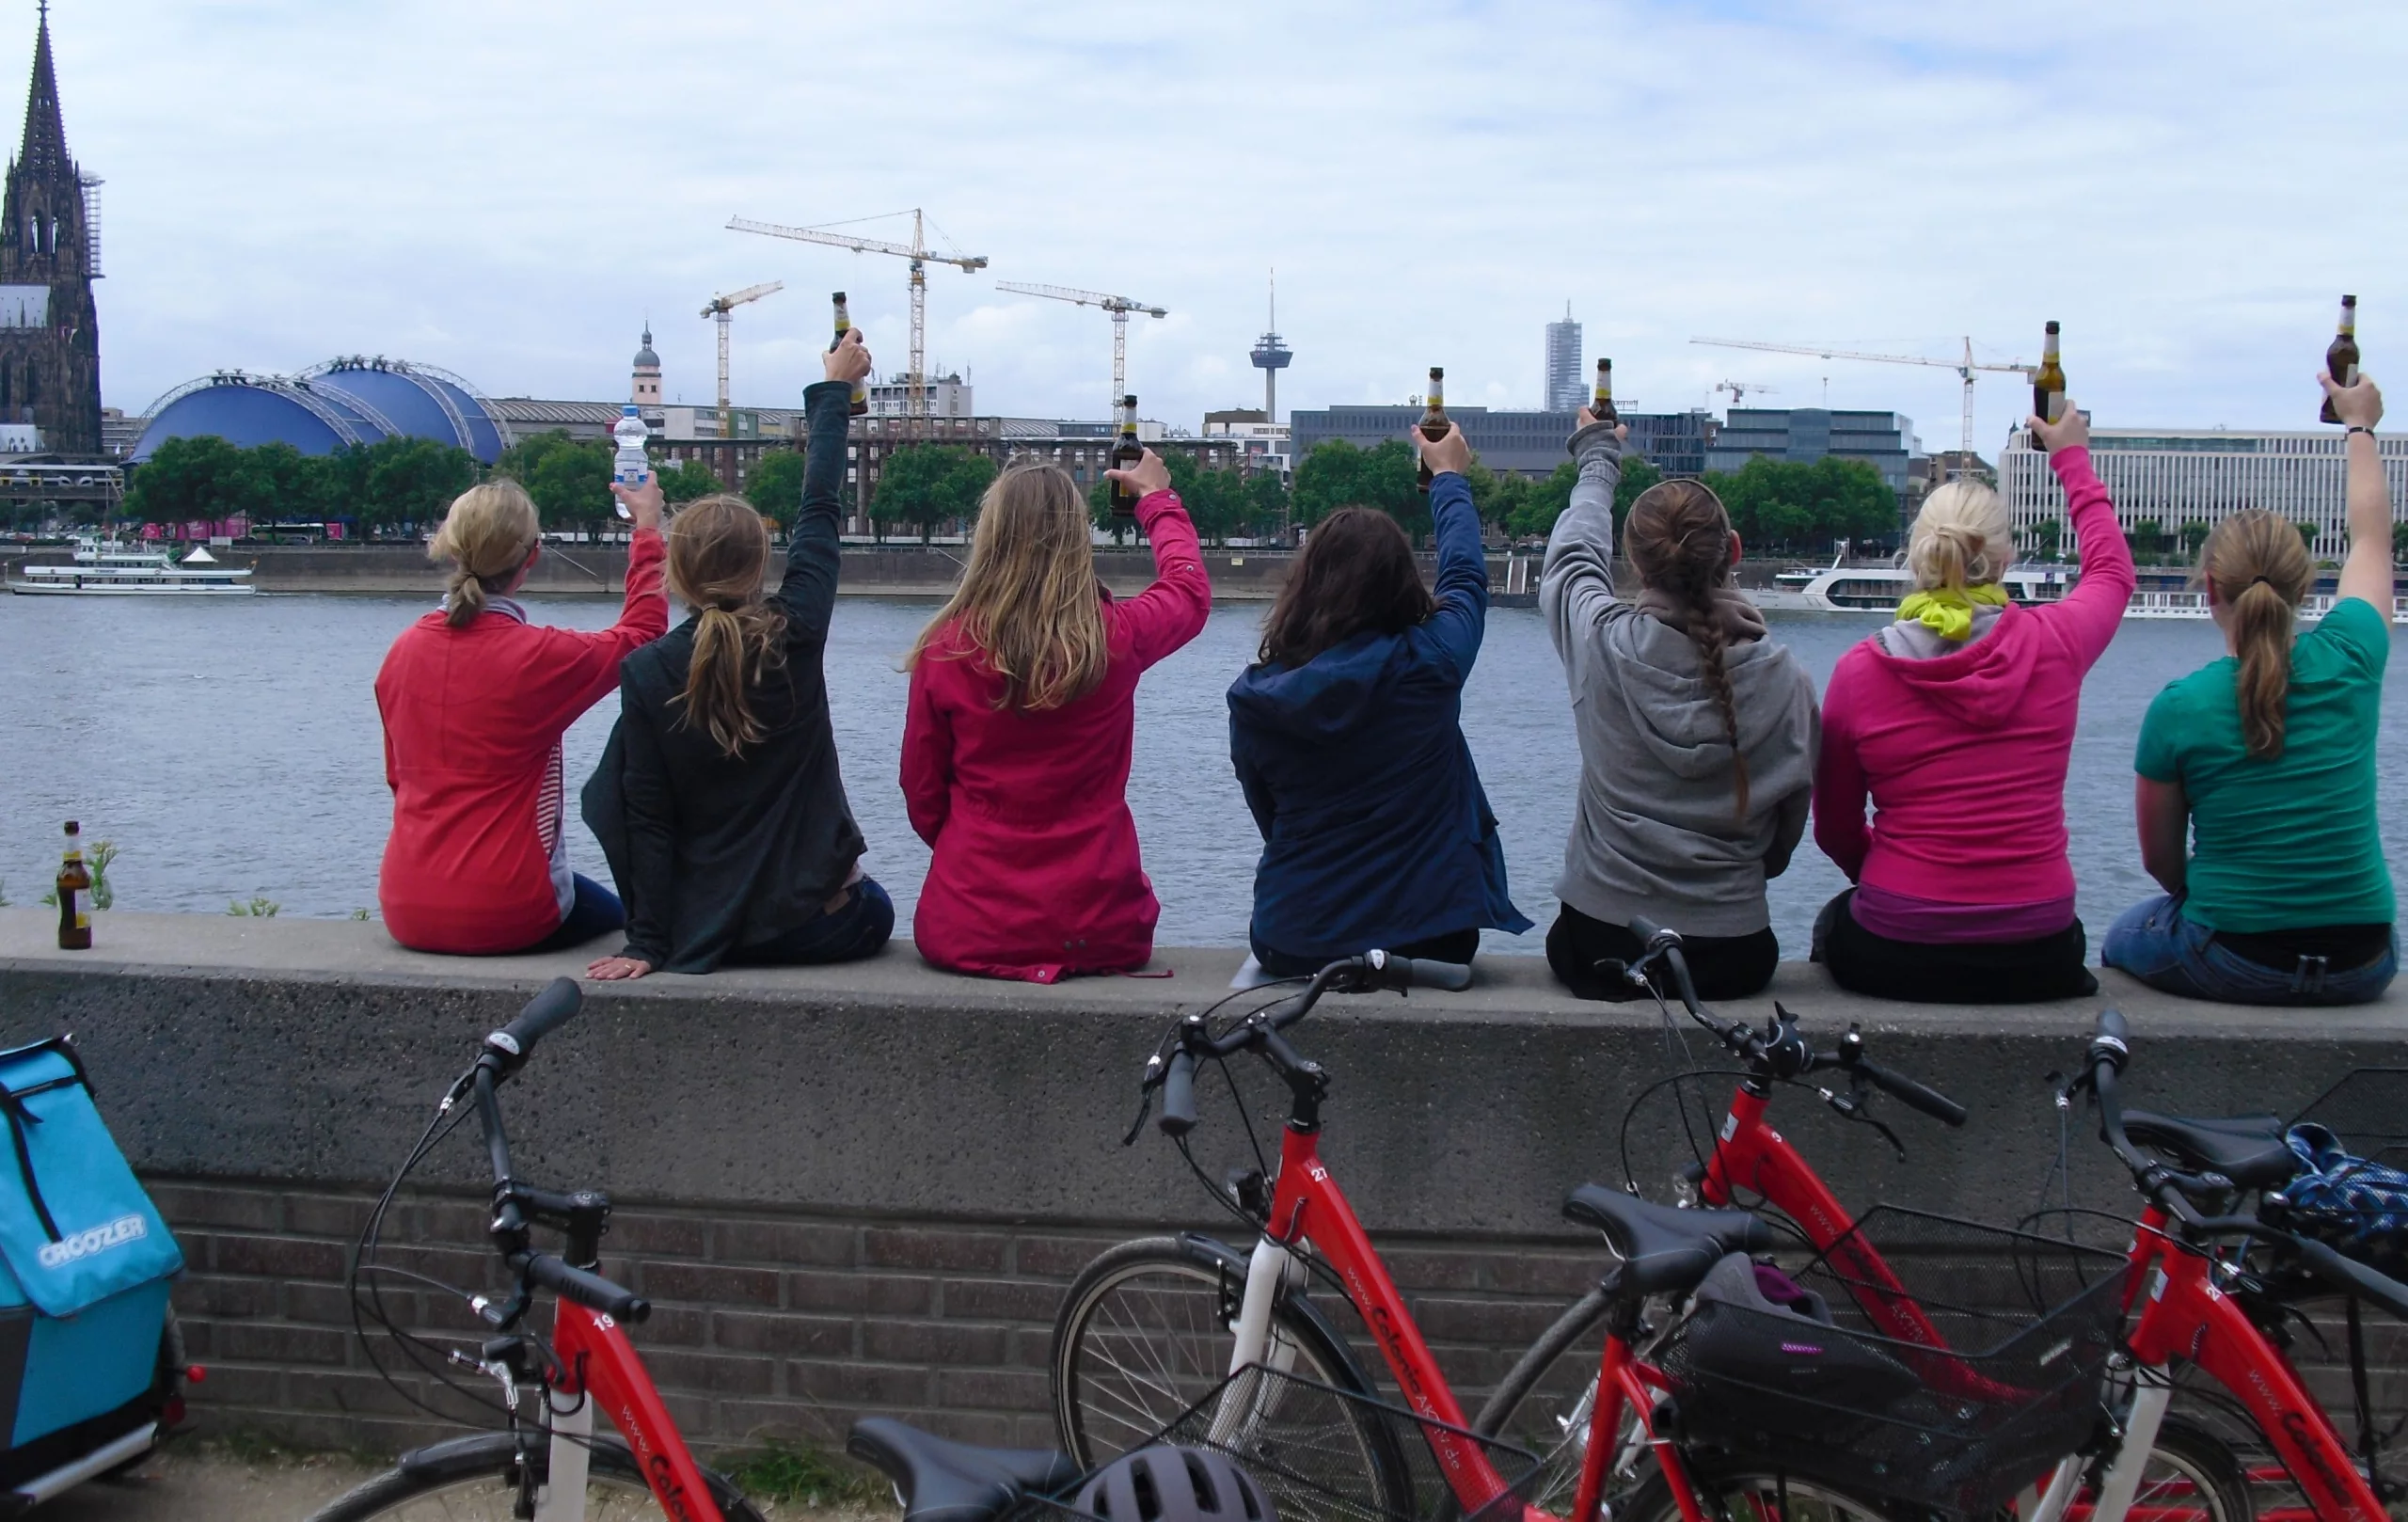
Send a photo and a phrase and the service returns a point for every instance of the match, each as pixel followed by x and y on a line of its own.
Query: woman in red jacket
pixel 1023 712
pixel 475 699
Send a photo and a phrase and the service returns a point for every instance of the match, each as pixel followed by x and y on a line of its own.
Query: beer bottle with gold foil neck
pixel 1601 403
pixel 2049 384
pixel 1434 423
pixel 74 895
pixel 2341 358
pixel 859 404
pixel 1126 453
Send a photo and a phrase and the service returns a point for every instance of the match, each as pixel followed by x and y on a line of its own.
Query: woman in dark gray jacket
pixel 1697 735
pixel 718 801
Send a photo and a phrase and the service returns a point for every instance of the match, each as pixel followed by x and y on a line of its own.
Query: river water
pixel 231 748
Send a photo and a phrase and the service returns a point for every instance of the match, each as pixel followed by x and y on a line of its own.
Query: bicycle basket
pixel 1324 1454
pixel 1960 1362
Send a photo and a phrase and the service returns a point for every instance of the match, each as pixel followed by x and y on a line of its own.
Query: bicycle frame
pixel 600 1367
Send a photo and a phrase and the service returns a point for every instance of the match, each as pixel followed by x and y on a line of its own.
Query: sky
pixel 508 189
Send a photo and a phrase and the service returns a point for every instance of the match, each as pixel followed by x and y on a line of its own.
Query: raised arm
pixel 1454 631
pixel 577 669
pixel 1577 583
pixel 814 551
pixel 1171 612
pixel 2090 614
pixel 2367 572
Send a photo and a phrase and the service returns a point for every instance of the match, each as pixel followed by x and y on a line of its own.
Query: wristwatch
pixel 2357 428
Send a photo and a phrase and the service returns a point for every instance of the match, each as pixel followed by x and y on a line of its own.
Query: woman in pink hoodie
pixel 1957 721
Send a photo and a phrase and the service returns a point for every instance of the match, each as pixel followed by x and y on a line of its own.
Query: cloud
pixel 509 190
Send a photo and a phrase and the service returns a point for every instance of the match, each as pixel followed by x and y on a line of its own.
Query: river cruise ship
pixel 104 568
pixel 2159 593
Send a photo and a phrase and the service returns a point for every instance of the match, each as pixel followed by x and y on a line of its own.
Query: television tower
pixel 1271 355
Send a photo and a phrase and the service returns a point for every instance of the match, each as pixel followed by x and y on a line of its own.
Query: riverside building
pixel 1526 443
pixel 1884 440
pixel 1567 388
pixel 2165 481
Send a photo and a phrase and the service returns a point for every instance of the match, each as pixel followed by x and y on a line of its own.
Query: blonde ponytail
pixel 487 534
pixel 1962 538
pixel 2258 567
pixel 719 555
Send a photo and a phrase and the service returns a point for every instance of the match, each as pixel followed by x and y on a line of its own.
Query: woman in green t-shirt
pixel 2265 760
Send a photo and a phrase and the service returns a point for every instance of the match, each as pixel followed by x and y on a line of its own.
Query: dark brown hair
pixel 1678 539
pixel 2260 570
pixel 718 552
pixel 1356 574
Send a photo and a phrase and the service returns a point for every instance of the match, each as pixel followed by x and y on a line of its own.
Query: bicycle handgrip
pixel 1422 972
pixel 1916 1096
pixel 2356 1277
pixel 546 1013
pixel 592 1291
pixel 1179 1095
pixel 1648 932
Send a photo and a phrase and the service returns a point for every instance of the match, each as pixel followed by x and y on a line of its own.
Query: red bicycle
pixel 1150 1326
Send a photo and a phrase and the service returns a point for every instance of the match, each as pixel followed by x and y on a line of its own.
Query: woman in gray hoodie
pixel 1697 735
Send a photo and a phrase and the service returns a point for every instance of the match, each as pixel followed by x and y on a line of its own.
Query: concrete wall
pixel 864 1189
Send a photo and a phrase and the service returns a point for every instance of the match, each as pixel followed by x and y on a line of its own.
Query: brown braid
pixel 1678 538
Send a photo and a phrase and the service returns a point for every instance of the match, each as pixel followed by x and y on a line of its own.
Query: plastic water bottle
pixel 630 467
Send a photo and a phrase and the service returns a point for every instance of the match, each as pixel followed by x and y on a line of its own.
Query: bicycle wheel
pixel 476 1480
pixel 1740 1495
pixel 1144 1333
pixel 2191 1476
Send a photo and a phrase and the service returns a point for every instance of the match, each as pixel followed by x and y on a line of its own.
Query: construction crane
pixel 1965 367
pixel 1739 390
pixel 720 306
pixel 917 251
pixel 1119 306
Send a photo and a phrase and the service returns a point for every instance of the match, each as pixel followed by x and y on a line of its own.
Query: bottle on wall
pixel 859 404
pixel 2048 382
pixel 2341 356
pixel 1126 453
pixel 74 895
pixel 1434 423
pixel 1601 403
pixel 630 465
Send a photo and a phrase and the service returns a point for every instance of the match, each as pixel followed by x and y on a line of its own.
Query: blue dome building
pixel 329 406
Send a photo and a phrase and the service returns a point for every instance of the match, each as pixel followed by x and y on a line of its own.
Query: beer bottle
pixel 1434 422
pixel 2341 359
pixel 859 402
pixel 2049 384
pixel 74 895
pixel 1125 456
pixel 1601 404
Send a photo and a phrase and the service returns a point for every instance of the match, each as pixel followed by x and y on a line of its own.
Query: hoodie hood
pixel 1670 712
pixel 1982 685
pixel 1327 698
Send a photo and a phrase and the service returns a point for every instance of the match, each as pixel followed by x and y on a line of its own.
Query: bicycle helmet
pixel 1163 1483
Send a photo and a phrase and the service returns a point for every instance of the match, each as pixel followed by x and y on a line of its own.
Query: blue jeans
pixel 596 911
pixel 2155 942
pixel 859 929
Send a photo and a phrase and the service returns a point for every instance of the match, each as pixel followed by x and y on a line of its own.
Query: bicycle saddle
pixel 941 1481
pixel 1664 1250
pixel 2246 1149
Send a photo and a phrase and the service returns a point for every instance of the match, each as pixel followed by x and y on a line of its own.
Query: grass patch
pixel 786 1471
pixel 258 1449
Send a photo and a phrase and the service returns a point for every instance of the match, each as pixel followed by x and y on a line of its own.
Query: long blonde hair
pixel 2260 570
pixel 719 555
pixel 488 533
pixel 1962 538
pixel 1028 601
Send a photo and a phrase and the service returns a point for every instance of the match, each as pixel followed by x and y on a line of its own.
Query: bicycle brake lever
pixel 1145 1108
pixel 1852 1107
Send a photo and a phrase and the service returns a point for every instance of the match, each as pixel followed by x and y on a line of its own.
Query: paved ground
pixel 208 1485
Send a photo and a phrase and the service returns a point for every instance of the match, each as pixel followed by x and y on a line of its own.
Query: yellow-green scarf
pixel 1948 611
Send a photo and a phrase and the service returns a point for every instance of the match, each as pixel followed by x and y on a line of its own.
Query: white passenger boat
pixel 105 568
pixel 1840 588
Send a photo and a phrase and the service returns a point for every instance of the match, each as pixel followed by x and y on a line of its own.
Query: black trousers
pixel 1721 966
pixel 2004 972
pixel 1457 947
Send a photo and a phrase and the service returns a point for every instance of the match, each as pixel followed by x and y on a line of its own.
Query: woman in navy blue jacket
pixel 1348 741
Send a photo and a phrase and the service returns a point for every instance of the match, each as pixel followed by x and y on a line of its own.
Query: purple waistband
pixel 1927 922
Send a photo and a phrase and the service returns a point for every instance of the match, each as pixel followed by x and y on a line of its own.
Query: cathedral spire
pixel 44 150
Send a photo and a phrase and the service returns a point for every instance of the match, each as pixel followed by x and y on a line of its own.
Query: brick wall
pixel 763 1324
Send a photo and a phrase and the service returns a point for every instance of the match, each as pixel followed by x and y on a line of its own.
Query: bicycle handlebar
pixel 508 1048
pixel 1179 1095
pixel 592 1291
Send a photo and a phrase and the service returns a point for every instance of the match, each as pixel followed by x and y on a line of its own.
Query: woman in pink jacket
pixel 1957 721
pixel 1022 714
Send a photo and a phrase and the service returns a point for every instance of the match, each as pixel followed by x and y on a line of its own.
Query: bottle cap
pixel 72 827
pixel 838 298
pixel 2349 301
pixel 1437 372
pixel 2053 324
pixel 1129 401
